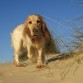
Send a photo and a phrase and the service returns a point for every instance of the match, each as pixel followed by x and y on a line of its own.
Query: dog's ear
pixel 27 31
pixel 45 31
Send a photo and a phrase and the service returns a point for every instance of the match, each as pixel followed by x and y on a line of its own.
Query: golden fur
pixel 32 36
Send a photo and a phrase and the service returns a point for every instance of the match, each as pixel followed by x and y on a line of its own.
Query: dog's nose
pixel 35 30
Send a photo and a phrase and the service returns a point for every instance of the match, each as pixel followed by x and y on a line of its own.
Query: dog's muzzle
pixel 35 32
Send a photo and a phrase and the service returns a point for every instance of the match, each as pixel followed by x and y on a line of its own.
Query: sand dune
pixel 59 71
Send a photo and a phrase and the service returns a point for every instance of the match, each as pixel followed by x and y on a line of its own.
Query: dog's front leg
pixel 30 53
pixel 40 58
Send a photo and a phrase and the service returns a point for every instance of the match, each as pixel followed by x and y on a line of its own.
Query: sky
pixel 55 12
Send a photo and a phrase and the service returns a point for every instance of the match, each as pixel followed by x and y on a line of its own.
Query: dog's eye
pixel 30 22
pixel 38 21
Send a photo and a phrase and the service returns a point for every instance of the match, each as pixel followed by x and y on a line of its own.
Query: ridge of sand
pixel 59 71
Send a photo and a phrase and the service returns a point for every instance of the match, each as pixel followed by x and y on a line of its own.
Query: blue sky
pixel 55 12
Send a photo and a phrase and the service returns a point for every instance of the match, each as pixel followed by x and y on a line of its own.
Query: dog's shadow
pixel 58 57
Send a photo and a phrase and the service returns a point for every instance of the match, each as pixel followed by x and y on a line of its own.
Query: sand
pixel 59 71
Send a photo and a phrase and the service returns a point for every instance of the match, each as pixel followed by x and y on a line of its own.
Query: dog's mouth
pixel 35 36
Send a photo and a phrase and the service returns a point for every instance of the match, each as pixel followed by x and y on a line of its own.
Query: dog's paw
pixel 40 66
pixel 18 64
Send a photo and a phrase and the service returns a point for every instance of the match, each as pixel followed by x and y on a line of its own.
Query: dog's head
pixel 36 27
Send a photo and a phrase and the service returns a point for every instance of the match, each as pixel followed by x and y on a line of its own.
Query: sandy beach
pixel 59 71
